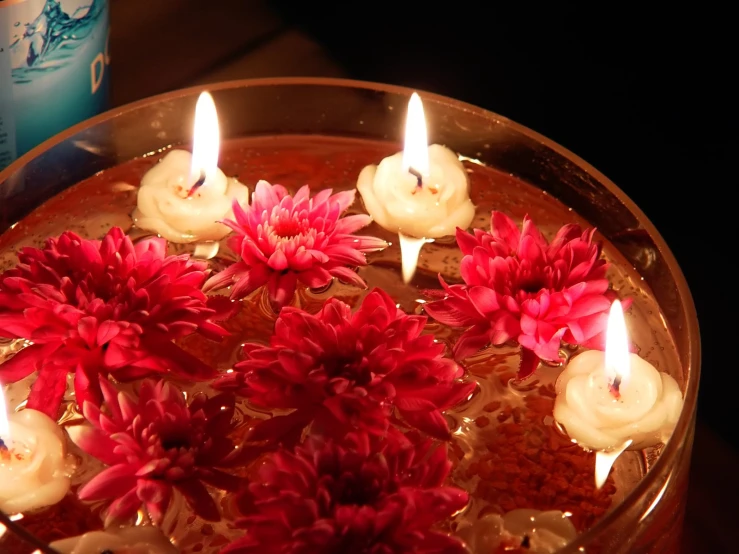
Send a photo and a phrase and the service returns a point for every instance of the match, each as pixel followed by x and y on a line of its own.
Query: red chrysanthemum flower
pixel 156 443
pixel 355 496
pixel 284 239
pixel 99 307
pixel 343 371
pixel 520 287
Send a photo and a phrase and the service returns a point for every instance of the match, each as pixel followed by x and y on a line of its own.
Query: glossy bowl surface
pixel 650 518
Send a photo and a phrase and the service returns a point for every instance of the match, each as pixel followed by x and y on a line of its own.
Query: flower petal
pixel 25 362
pixel 198 499
pixel 48 390
pixel 112 482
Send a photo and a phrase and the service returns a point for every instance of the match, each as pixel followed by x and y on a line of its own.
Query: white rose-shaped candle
pixel 185 196
pixel 128 540
pixel 34 468
pixel 421 193
pixel 613 400
pixel 534 531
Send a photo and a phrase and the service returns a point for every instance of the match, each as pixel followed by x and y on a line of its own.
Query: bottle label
pixel 53 69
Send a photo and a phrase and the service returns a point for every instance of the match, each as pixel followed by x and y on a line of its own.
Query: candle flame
pixel 416 149
pixel 206 139
pixel 4 425
pixel 618 364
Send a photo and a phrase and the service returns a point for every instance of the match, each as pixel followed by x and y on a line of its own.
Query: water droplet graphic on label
pixel 47 41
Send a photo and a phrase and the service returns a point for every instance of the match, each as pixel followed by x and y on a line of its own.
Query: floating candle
pixel 185 196
pixel 128 540
pixel 422 192
pixel 34 468
pixel 605 399
pixel 532 530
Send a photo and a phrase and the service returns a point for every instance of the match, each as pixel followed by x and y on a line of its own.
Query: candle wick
pixel 198 184
pixel 23 534
pixel 526 542
pixel 616 386
pixel 417 175
pixel 3 447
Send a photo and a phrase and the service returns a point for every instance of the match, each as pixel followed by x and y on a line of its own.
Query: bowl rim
pixel 687 416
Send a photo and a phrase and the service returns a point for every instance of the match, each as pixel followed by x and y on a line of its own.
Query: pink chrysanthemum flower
pixel 284 239
pixel 156 443
pixel 99 307
pixel 343 371
pixel 520 287
pixel 355 496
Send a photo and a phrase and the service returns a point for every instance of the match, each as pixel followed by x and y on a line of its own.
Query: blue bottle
pixel 53 69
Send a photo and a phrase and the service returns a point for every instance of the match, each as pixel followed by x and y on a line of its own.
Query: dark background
pixel 647 98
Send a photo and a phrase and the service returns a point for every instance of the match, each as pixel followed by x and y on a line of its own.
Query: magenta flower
pixel 355 496
pixel 101 307
pixel 344 371
pixel 519 287
pixel 156 443
pixel 284 239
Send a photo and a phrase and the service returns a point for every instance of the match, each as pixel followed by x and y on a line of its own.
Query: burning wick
pixel 422 191
pixel 615 386
pixel 167 203
pixel 417 213
pixel 198 184
pixel 417 175
pixel 34 467
pixel 614 400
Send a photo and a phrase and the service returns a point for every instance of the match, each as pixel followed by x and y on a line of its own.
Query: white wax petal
pixel 547 531
pixel 645 412
pixel 543 541
pixel 129 540
pixel 582 364
pixel 43 477
pixel 392 196
pixel 673 401
pixel 582 429
pixel 483 534
pixel 164 207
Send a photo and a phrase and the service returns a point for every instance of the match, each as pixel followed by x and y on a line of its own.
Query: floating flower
pixel 359 495
pixel 99 307
pixel 155 443
pixel 284 239
pixel 519 287
pixel 345 371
